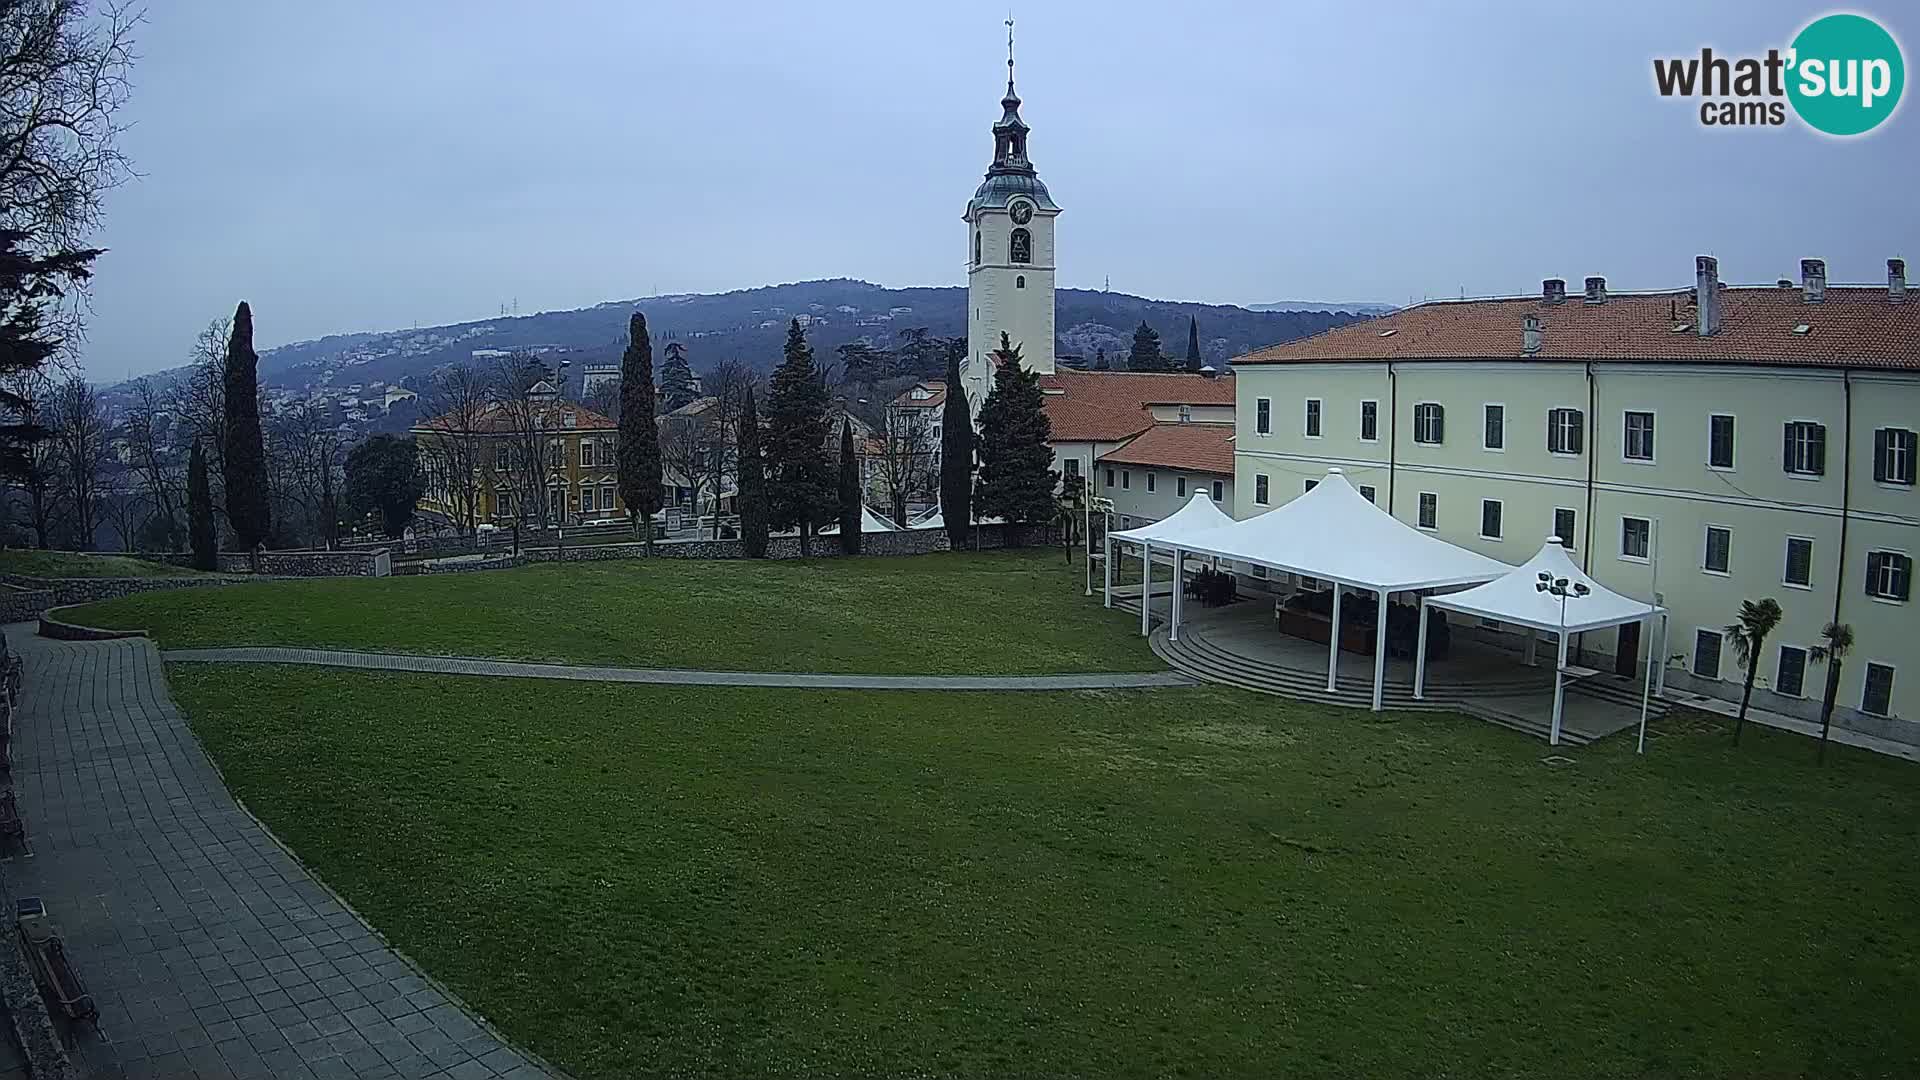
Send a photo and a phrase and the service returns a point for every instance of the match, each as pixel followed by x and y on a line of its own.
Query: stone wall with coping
pixel 63 591
pixel 22 603
pixel 904 542
pixel 296 564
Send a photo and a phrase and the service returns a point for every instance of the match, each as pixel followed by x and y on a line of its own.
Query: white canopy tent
pixel 936 519
pixel 870 522
pixel 1197 516
pixel 1335 533
pixel 1548 592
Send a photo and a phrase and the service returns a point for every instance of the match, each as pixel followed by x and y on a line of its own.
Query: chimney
pixel 1207 371
pixel 1896 280
pixel 1813 280
pixel 1596 290
pixel 1530 333
pixel 1785 283
pixel 1706 295
pixel 1554 290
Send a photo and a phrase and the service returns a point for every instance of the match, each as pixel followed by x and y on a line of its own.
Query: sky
pixel 368 165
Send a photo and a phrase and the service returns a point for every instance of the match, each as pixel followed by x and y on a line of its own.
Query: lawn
pixel 706 882
pixel 55 564
pixel 1014 612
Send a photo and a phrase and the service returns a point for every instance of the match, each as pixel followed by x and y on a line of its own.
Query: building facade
pixel 1156 472
pixel 1698 447
pixel 481 463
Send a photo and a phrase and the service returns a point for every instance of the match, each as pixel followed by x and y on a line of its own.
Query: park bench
pixel 11 825
pixel 52 969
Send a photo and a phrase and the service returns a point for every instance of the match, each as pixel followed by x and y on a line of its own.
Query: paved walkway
pixel 210 951
pixel 452 665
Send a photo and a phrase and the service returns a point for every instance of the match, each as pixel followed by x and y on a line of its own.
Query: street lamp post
pixel 1563 589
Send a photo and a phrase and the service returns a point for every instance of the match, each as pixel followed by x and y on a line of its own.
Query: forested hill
pixel 751 324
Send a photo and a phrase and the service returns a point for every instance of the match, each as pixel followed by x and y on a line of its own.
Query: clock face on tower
pixel 1022 212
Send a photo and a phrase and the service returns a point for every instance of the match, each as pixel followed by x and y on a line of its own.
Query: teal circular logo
pixel 1846 74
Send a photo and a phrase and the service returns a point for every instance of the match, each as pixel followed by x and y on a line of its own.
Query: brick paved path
pixel 210 951
pixel 451 665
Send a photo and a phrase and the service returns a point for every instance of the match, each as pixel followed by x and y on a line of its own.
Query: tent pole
pixel 1179 587
pixel 1559 689
pixel 1533 650
pixel 1660 676
pixel 1106 572
pixel 1646 692
pixel 1333 643
pixel 1380 654
pixel 1146 585
pixel 1420 656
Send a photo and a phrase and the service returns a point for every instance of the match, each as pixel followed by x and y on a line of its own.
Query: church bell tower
pixel 1010 254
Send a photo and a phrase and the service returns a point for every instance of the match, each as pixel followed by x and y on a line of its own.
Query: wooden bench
pixel 52 968
pixel 11 824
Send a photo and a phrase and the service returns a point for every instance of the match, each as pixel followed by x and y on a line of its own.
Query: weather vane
pixel 1009 46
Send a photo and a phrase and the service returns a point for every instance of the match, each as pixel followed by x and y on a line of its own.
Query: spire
pixel 1010 134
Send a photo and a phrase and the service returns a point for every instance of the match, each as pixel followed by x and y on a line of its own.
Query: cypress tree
pixel 1194 362
pixel 752 484
pixel 1145 355
pixel 245 461
pixel 1100 359
pixel 676 378
pixel 956 455
pixel 850 501
pixel 204 535
pixel 639 457
pixel 1017 480
pixel 800 481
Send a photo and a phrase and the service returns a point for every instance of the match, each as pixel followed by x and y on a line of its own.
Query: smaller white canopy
pixel 870 522
pixel 1334 532
pixel 937 520
pixel 1198 515
pixel 1513 598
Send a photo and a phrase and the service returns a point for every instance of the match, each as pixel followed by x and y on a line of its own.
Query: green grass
pixel 705 882
pixel 55 564
pixel 986 613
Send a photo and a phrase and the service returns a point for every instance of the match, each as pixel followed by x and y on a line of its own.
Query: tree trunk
pixel 1826 705
pixel 806 534
pixel 1746 696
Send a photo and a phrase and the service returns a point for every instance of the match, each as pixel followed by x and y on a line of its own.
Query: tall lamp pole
pixel 1561 588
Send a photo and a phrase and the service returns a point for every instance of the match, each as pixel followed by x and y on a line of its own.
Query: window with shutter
pixel 1429 510
pixel 1893 456
pixel 1706 654
pixel 1791 677
pixel 1429 423
pixel 1799 561
pixel 1565 431
pixel 1876 696
pixel 1564 523
pixel 1889 575
pixel 1803 451
pixel 1720 441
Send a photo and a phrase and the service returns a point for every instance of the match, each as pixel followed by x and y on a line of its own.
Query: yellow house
pixel 492 464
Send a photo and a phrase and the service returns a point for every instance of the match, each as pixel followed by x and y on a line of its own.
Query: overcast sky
pixel 370 165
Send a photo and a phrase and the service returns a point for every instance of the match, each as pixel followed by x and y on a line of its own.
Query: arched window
pixel 1022 246
pixel 1020 282
pixel 976 247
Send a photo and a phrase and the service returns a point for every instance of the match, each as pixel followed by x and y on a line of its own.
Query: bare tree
pixel 690 440
pixel 456 455
pixel 199 400
pixel 604 399
pixel 156 461
pixel 82 428
pixel 124 506
pixel 532 451
pixel 305 458
pixel 29 397
pixel 906 458
pixel 728 383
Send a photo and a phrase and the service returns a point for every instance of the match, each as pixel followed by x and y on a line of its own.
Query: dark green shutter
pixel 1882 442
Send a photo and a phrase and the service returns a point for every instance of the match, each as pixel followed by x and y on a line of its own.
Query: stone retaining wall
pixel 64 591
pixel 20 603
pixel 297 564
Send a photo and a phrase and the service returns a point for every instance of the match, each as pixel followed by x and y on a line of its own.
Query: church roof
pixel 999 188
pixel 1194 447
pixel 1108 406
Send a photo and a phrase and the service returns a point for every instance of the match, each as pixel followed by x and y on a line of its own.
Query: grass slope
pixel 718 883
pixel 987 613
pixel 76 564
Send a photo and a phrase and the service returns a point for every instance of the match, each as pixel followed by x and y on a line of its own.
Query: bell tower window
pixel 1022 246
pixel 1020 282
pixel 976 247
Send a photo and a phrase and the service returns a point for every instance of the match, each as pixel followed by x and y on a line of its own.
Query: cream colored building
pixel 1702 446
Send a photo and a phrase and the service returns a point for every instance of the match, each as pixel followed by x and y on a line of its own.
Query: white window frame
pixel 1501 535
pixel 1734 442
pixel 1218 491
pixel 1890 598
pixel 1262 490
pixel 1313 418
pixel 1502 406
pixel 1126 479
pixel 1370 493
pixel 1653 436
pixel 1556 432
pixel 606 497
pixel 1263 417
pixel 1706 548
pixel 1624 555
pixel 1720 655
pixel 1375 437
pixel 1417 425
pixel 1567 542
pixel 1179 487
pixel 1786 565
pixel 1797 474
pixel 1911 450
pixel 1866 670
pixel 586 499
pixel 1779 655
pixel 1420 509
pixel 1152 481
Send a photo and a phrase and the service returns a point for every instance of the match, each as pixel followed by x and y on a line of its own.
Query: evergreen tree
pixel 30 284
pixel 1146 355
pixel 1100 359
pixel 676 379
pixel 245 460
pixel 384 477
pixel 956 455
pixel 205 537
pixel 1016 478
pixel 639 454
pixel 850 501
pixel 752 499
pixel 800 481
pixel 1194 363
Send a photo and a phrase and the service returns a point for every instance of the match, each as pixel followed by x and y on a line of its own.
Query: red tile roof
pixel 1197 447
pixel 934 401
pixel 499 421
pixel 1855 326
pixel 1107 406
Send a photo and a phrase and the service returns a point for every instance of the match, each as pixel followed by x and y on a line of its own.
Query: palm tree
pixel 1838 638
pixel 1749 634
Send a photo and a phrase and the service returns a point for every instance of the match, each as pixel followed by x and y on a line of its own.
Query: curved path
pixel 454 665
pixel 210 950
